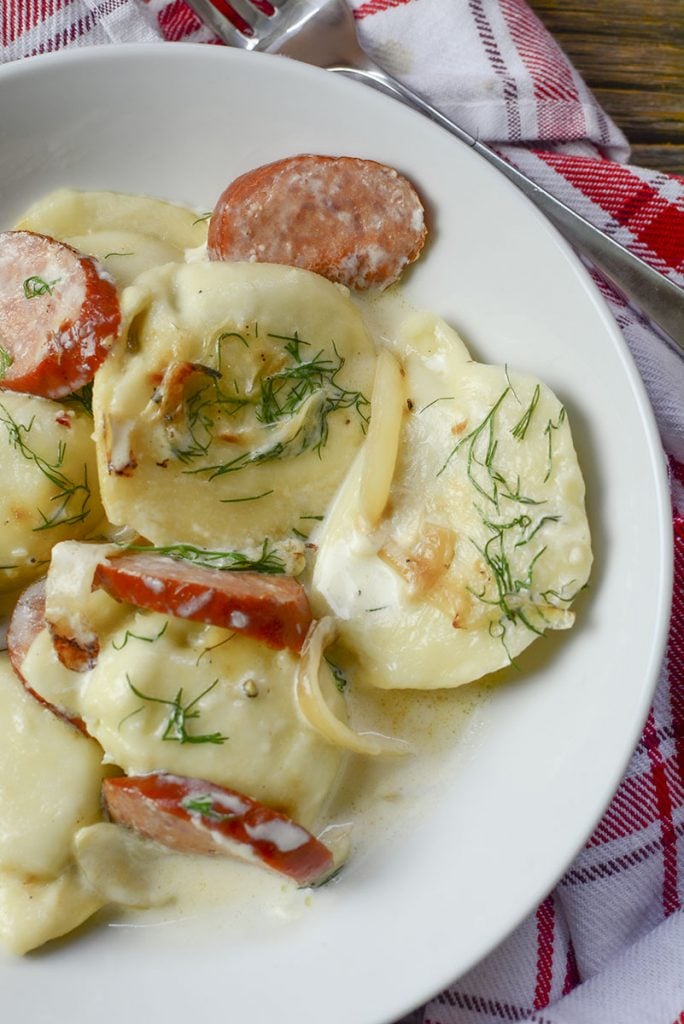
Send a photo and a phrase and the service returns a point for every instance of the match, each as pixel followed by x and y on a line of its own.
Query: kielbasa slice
pixel 272 609
pixel 28 619
pixel 356 222
pixel 192 816
pixel 59 314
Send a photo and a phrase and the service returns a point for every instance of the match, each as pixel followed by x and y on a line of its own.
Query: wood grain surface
pixel 631 54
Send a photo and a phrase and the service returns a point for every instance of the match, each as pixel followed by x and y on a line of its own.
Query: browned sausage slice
pixel 58 315
pixel 192 816
pixel 28 619
pixel 356 222
pixel 272 609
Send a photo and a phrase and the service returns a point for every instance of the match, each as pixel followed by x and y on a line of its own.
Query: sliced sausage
pixel 193 816
pixel 356 222
pixel 58 315
pixel 28 619
pixel 272 609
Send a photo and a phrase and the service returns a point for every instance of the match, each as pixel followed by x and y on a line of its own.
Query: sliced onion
pixel 382 442
pixel 315 711
pixel 68 587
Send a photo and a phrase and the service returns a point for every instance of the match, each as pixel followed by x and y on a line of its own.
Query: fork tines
pixel 242 23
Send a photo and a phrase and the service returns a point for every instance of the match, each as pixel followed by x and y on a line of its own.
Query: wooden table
pixel 631 54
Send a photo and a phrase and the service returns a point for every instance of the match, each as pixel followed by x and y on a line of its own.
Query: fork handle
pixel 658 297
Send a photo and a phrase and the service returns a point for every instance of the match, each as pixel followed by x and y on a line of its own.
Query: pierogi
pixel 484 542
pixel 250 418
pixel 239 390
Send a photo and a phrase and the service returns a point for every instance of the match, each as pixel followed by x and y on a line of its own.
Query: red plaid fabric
pixel 607 945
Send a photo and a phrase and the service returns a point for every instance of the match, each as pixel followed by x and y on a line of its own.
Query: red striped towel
pixel 607 945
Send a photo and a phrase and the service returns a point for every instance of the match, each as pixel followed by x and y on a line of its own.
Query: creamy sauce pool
pixel 374 801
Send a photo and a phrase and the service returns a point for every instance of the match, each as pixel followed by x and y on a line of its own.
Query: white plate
pixel 518 795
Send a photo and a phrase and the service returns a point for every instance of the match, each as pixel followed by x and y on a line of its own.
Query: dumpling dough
pixel 128 234
pixel 234 403
pixel 49 485
pixel 50 778
pixel 484 541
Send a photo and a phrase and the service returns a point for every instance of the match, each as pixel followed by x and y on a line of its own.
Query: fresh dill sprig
pixel 267 561
pixel 308 387
pixel 128 635
pixel 83 397
pixel 175 730
pixel 67 491
pixel 250 497
pixel 204 805
pixel 35 286
pixel 484 429
pixel 6 361
pixel 212 647
pixel 508 586
pixel 341 681
pixel 482 444
pixel 548 430
pixel 520 428
pixel 527 537
pixel 224 337
pixel 445 398
pixel 508 381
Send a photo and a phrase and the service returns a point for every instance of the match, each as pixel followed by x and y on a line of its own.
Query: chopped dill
pixel 106 257
pixel 72 497
pixel 268 561
pixel 305 393
pixel 446 398
pixel 548 430
pixel 35 286
pixel 520 429
pixel 527 537
pixel 175 730
pixel 204 805
pixel 508 381
pixel 508 586
pixel 250 497
pixel 484 429
pixel 230 334
pixel 341 681
pixel 208 650
pixel 128 635
pixel 481 445
pixel 6 361
pixel 83 397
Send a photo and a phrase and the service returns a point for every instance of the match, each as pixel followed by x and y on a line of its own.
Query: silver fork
pixel 322 32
